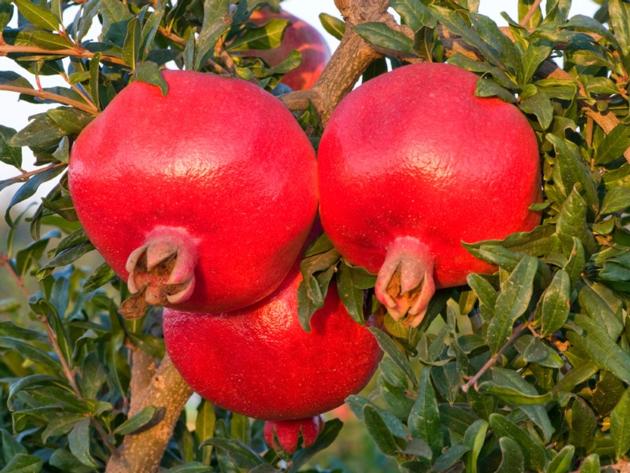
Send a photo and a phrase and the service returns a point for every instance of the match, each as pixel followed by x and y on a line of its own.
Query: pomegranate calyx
pixel 405 284
pixel 162 271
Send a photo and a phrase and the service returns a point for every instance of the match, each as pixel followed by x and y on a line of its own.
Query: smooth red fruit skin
pixel 284 436
pixel 414 153
pixel 300 36
pixel 260 362
pixel 218 159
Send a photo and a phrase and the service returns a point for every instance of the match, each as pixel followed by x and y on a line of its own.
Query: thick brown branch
pixel 142 452
pixel 143 369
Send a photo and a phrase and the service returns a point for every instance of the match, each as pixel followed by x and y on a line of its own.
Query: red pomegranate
pixel 300 36
pixel 412 164
pixel 285 436
pixel 203 197
pixel 260 362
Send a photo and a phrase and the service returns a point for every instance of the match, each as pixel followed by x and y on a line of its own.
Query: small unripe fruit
pixel 284 436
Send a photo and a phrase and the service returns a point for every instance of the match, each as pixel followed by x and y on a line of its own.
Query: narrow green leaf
pixel 37 15
pixel 582 424
pixel 591 464
pixel 332 25
pixel 613 145
pixel 617 199
pixel 216 21
pixel 620 425
pixel 414 13
pixel 489 88
pixel 79 443
pixel 424 418
pixel 268 36
pixel 561 462
pixel 11 155
pixel 556 303
pixel 474 438
pixel 143 420
pixel 512 302
pixel 22 463
pixel 131 46
pixel 379 431
pixel 391 349
pixel 512 460
pixel 149 72
pixel 449 458
pixel 533 451
pixel 383 37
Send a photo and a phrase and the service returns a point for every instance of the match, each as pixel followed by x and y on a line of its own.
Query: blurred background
pixel 354 450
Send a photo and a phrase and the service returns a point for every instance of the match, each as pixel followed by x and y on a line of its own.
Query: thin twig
pixel 80 92
pixel 472 382
pixel 74 52
pixel 26 175
pixel 43 94
pixel 530 13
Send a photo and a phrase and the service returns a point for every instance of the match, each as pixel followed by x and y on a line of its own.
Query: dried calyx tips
pixel 161 272
pixel 405 284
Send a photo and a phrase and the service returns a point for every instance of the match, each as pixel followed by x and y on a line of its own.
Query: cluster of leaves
pixel 527 369
pixel 524 370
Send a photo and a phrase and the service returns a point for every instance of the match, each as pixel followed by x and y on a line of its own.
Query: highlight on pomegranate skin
pixel 169 211
pixel 260 362
pixel 406 178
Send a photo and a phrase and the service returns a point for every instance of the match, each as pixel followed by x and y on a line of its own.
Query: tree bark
pixel 142 452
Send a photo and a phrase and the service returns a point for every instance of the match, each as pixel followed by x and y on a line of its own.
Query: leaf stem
pixel 74 52
pixel 43 94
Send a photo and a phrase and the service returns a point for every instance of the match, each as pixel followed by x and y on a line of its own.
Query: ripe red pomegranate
pixel 203 198
pixel 260 362
pixel 285 436
pixel 412 164
pixel 300 36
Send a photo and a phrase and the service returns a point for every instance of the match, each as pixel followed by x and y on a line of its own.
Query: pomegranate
pixel 298 36
pixel 202 198
pixel 260 362
pixel 285 436
pixel 412 164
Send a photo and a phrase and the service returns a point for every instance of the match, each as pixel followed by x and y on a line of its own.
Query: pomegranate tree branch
pixel 45 95
pixel 472 382
pixel 74 52
pixel 143 369
pixel 530 13
pixel 142 452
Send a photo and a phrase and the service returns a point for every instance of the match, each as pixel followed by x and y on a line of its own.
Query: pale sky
pixel 15 114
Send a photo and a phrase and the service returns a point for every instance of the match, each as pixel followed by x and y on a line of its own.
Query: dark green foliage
pixel 524 370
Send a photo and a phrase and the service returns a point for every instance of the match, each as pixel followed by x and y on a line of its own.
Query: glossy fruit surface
pixel 412 164
pixel 298 36
pixel 202 197
pixel 261 363
pixel 285 436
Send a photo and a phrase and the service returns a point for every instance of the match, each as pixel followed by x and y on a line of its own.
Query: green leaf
pixel 512 302
pixel 150 73
pixel 79 443
pixel 243 455
pixel 268 36
pixel 70 120
pixel 600 348
pixel 511 388
pixel 6 13
pixel 533 451
pixel 205 426
pixel 617 199
pixel 556 303
pixel 600 311
pixel 414 13
pixel 10 446
pixel 489 88
pixel 540 106
pixel 486 294
pixel 216 21
pixel 37 15
pixel 383 37
pixel 332 25
pixel 143 420
pixel 391 349
pixel 350 284
pixel 561 462
pixel 11 155
pixel 131 46
pixel 582 423
pixel 619 14
pixel 379 431
pixel 324 440
pixel 591 464
pixel 534 56
pixel 613 145
pixel 424 418
pixel 449 458
pixel 474 438
pixel 13 79
pixel 620 425
pixel 42 132
pixel 512 460
pixel 22 463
